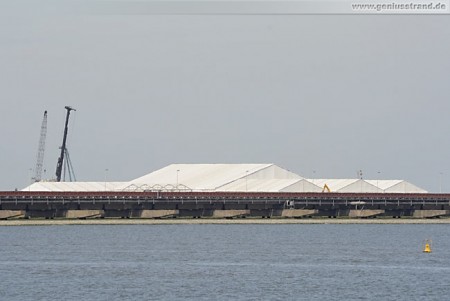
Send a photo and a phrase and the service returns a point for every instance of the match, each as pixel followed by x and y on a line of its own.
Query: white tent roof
pixel 271 185
pixel 365 186
pixel 384 184
pixel 334 184
pixel 73 186
pixel 360 186
pixel 302 185
pixel 396 186
pixel 211 177
pixel 231 177
pixel 255 185
pixel 346 185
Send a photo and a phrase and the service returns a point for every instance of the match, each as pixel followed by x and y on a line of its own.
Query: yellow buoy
pixel 427 248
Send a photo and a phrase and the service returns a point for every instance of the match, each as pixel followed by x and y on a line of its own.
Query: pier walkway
pixel 160 204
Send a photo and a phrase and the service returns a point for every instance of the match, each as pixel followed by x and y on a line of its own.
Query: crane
pixel 326 188
pixel 64 151
pixel 68 167
pixel 41 150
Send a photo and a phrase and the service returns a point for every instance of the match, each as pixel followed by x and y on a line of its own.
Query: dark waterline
pixel 224 262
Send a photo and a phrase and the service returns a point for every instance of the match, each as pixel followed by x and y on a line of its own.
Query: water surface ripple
pixel 224 262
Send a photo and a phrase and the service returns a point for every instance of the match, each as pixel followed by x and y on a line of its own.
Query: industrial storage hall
pixel 231 178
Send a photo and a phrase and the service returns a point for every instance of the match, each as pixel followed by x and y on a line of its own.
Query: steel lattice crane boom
pixel 41 150
pixel 59 165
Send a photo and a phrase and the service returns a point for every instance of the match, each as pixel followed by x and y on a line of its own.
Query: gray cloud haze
pixel 326 93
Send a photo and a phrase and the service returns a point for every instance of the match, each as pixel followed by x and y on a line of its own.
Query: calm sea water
pixel 224 262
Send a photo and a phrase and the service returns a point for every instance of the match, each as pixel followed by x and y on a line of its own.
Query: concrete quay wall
pixel 220 214
pixel 164 205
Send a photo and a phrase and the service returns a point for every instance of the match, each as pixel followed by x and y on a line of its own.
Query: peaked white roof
pixel 384 184
pixel 302 185
pixel 255 185
pixel 211 177
pixel 396 186
pixel 231 177
pixel 73 186
pixel 359 185
pixel 334 184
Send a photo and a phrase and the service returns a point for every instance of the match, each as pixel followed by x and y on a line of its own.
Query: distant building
pixel 231 178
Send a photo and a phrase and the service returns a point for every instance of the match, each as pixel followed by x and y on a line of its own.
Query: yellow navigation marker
pixel 427 248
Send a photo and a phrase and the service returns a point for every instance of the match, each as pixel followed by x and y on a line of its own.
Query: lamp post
pixel 246 176
pixel 30 180
pixel 378 178
pixel 177 177
pixel 106 171
pixel 440 182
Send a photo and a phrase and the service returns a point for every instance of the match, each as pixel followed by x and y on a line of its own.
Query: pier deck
pixel 162 204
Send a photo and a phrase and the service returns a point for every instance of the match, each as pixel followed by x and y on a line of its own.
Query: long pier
pixel 168 204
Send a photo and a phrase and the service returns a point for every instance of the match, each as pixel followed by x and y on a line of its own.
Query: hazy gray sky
pixel 326 93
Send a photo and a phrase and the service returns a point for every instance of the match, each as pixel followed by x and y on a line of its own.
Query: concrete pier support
pixel 298 212
pixel 158 213
pixel 5 214
pixel 430 213
pixel 84 213
pixel 230 213
pixel 365 213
